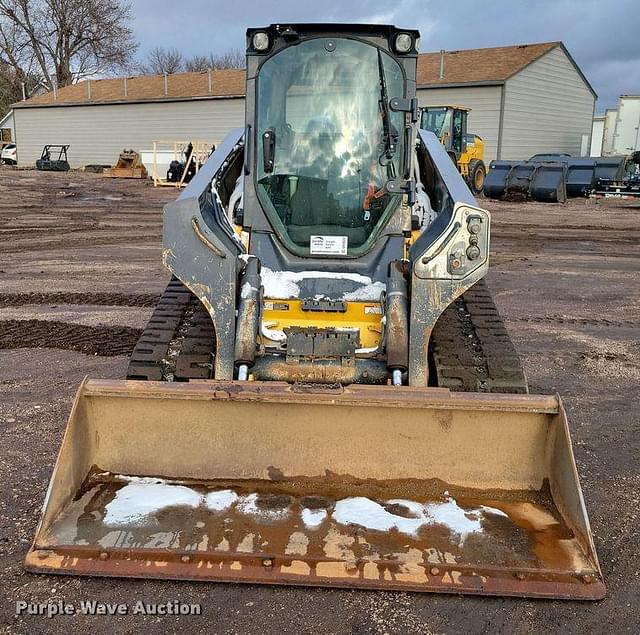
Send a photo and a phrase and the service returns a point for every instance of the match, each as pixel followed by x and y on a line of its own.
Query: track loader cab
pixel 348 220
pixel 449 124
pixel 330 166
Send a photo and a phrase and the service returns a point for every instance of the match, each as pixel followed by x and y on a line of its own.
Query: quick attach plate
pixel 322 343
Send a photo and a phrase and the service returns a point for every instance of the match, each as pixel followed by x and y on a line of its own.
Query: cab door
pixel 459 132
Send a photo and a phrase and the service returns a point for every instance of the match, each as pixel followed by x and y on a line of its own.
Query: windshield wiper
pixel 389 133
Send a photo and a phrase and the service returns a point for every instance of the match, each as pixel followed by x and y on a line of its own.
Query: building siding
pixel 484 118
pixel 548 107
pixel 97 134
pixel 597 137
pixel 608 136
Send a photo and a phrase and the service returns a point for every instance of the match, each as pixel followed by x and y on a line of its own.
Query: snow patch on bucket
pixel 222 499
pixel 249 505
pixel 136 501
pixel 372 515
pixel 313 517
pixel 142 497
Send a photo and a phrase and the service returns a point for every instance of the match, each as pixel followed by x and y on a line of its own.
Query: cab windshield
pixel 327 144
pixel 437 120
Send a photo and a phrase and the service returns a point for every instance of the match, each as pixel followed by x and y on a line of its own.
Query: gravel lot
pixel 79 272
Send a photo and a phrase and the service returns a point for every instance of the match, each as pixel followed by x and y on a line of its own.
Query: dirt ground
pixel 79 272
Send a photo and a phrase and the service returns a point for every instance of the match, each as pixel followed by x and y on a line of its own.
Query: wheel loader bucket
pixel 365 486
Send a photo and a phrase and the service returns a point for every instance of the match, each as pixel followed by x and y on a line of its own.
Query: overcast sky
pixel 601 35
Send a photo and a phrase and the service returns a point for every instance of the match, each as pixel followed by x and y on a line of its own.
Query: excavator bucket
pixel 363 486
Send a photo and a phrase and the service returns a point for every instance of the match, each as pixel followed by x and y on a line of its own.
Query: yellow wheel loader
pixel 449 124
pixel 325 394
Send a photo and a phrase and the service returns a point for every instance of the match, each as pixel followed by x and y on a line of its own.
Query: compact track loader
pixel 325 394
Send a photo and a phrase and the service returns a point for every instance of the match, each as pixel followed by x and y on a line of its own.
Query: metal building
pixel 618 130
pixel 524 99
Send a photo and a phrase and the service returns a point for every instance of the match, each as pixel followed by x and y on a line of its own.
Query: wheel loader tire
pixel 477 175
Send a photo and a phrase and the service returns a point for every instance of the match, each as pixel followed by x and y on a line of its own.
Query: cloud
pixel 602 37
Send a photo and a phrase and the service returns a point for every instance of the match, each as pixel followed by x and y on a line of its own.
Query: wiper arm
pixel 389 134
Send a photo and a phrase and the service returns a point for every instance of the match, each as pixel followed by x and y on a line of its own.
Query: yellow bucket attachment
pixel 365 486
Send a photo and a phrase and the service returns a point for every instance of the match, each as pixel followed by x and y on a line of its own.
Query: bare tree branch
pixel 161 60
pixel 11 83
pixel 197 64
pixel 233 58
pixel 66 40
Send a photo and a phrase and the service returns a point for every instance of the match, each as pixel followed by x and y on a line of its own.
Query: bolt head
pixel 267 562
pixel 475 227
pixel 104 555
pixel 456 263
pixel 473 252
pixel 434 571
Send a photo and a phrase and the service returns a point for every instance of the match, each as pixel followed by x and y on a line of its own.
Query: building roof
pixel 179 86
pixel 464 67
pixel 478 66
pixel 7 120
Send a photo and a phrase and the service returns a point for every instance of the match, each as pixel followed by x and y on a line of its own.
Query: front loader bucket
pixel 367 486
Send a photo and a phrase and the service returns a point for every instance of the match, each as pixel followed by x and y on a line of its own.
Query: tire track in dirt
pixel 48 245
pixel 44 232
pixel 97 299
pixel 562 319
pixel 106 341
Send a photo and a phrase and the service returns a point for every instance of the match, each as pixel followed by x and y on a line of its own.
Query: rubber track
pixel 471 348
pixel 177 341
pixel 106 341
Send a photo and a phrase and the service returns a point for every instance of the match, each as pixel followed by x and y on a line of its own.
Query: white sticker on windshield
pixel 333 245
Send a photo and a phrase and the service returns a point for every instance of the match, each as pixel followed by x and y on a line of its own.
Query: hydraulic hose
pixel 248 318
pixel 397 322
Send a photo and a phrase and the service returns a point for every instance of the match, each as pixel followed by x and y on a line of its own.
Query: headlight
pixel 403 43
pixel 260 41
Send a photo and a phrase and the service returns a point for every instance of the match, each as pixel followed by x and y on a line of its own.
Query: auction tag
pixel 332 245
